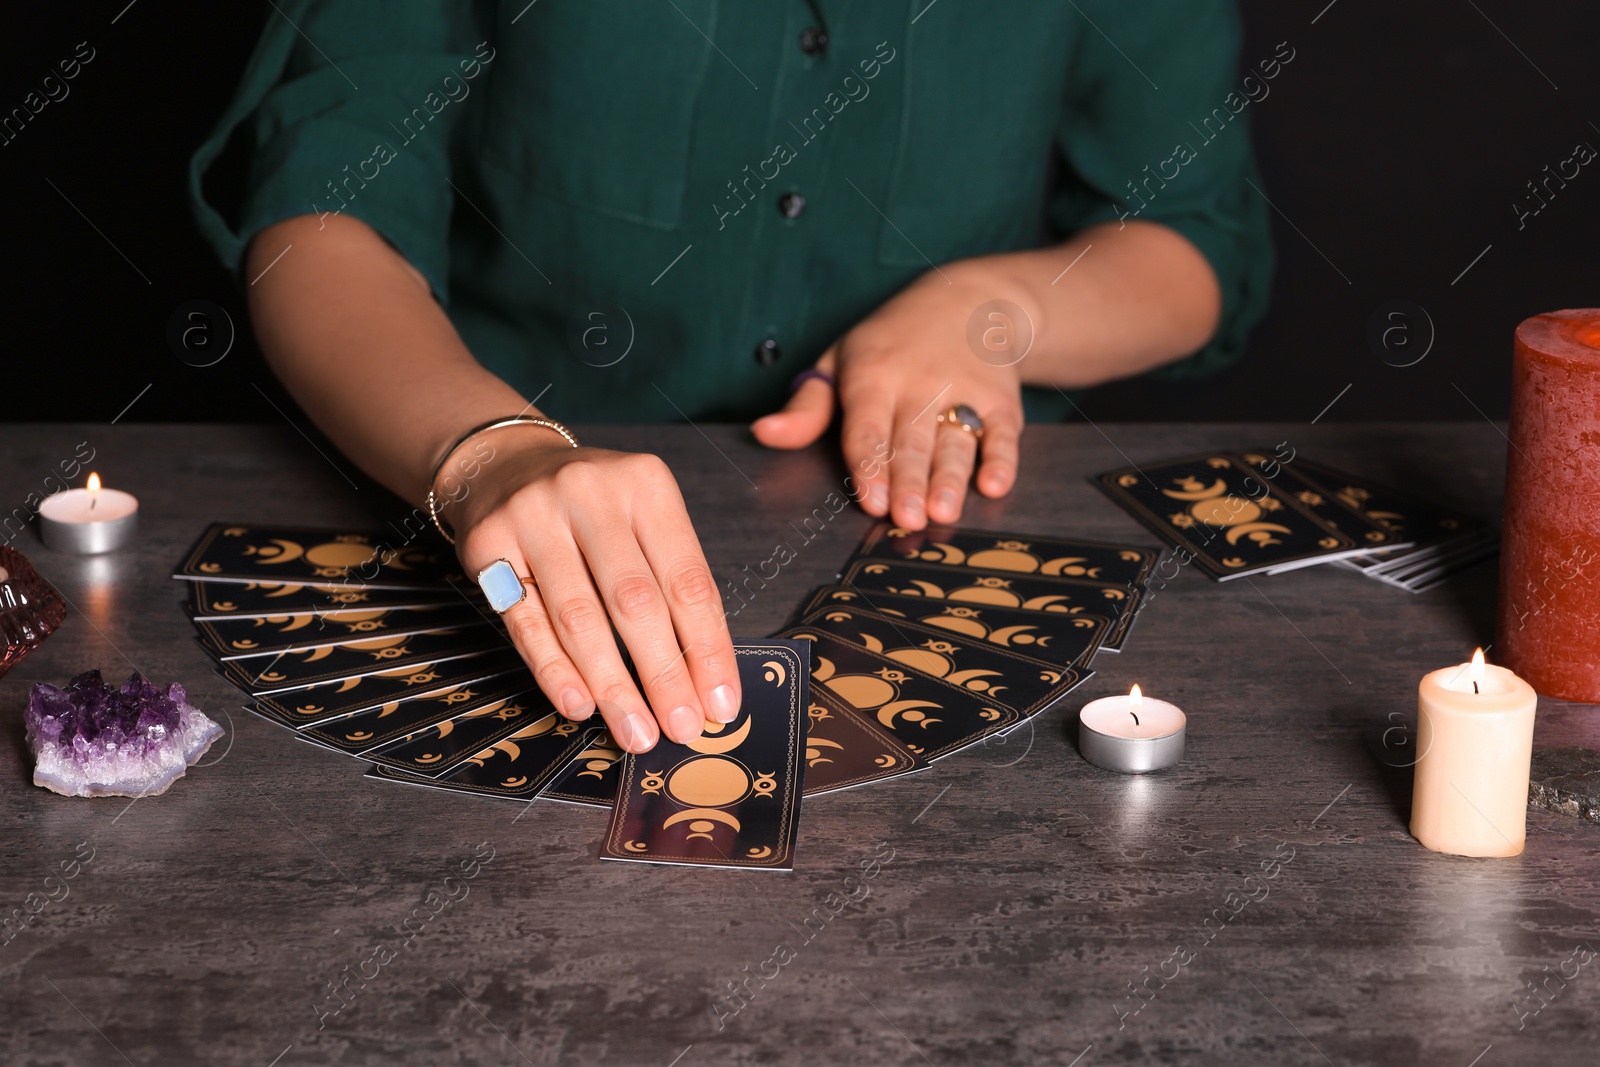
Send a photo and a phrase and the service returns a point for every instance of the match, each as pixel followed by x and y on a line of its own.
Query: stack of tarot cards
pixel 930 642
pixel 1265 511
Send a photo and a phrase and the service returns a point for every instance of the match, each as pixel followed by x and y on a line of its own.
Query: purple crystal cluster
pixel 90 739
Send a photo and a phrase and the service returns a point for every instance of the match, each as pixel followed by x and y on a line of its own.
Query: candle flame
pixel 1135 698
pixel 1476 673
pixel 94 482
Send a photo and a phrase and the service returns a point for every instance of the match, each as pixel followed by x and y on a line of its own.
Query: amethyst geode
pixel 90 740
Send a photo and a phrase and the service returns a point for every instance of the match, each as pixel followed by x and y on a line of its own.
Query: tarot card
pixel 974 664
pixel 592 776
pixel 1413 519
pixel 1056 639
pixel 1064 596
pixel 844 750
pixel 261 675
pixel 213 601
pixel 436 750
pixel 264 635
pixel 515 767
pixel 949 546
pixel 1230 520
pixel 331 701
pixel 730 798
pixel 228 552
pixel 396 722
pixel 1332 509
pixel 927 715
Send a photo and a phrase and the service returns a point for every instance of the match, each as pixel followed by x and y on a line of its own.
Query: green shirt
pixel 658 209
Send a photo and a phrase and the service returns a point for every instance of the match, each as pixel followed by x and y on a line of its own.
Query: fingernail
pixel 637 734
pixel 946 501
pixel 724 704
pixel 573 705
pixel 684 724
pixel 913 507
pixel 877 499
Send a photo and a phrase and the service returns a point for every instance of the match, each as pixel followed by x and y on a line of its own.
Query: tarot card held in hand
pixel 987 550
pixel 260 675
pixel 929 716
pixel 330 701
pixel 730 798
pixel 1228 519
pixel 229 552
pixel 1049 637
pixel 974 664
pixel 515 768
pixel 844 750
pixel 212 601
pixel 1064 596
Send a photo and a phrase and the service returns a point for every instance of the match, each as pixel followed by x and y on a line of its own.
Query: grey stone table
pixel 1019 895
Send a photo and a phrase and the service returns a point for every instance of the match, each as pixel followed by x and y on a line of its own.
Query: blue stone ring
pixel 501 586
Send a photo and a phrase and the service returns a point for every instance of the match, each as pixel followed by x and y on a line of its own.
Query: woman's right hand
pixel 606 539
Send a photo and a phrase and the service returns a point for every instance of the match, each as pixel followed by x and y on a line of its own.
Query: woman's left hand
pixel 897 372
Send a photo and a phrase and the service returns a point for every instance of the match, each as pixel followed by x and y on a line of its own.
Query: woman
pixel 458 215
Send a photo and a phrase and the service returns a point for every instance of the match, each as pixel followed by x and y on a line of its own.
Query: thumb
pixel 808 412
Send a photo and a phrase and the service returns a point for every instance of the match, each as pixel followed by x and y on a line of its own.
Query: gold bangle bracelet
pixel 433 501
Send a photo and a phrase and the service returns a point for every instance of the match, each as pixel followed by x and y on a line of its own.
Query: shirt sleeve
pixel 1156 128
pixel 349 106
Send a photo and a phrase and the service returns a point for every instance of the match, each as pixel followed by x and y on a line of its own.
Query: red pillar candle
pixel 1550 556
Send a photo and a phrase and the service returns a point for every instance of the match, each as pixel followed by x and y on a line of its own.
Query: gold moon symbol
pixel 1259 532
pixel 775 673
pixel 1226 511
pixel 1002 559
pixel 862 690
pixel 1193 490
pixel 909 710
pixel 987 595
pixel 708 781
pixel 759 852
pixel 943 553
pixel 697 814
pixel 341 554
pixel 287 551
pixel 713 745
pixel 814 747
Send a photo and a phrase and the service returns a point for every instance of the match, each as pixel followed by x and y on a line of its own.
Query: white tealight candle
pixel 1132 733
pixel 88 520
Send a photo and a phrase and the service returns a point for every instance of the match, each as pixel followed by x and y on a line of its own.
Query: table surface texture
pixel 1026 907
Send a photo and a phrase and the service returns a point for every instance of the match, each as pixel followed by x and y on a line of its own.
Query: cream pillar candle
pixel 1475 736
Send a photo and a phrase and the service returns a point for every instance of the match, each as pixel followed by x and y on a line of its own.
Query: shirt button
pixel 813 42
pixel 791 205
pixel 768 352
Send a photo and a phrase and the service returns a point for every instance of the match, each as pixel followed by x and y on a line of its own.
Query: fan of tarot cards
pixel 930 642
pixel 1266 511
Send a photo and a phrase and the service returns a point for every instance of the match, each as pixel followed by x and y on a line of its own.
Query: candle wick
pixel 93 500
pixel 1135 718
pixel 1475 687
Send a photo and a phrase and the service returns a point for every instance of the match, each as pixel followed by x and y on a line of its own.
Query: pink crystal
pixel 29 609
pixel 92 740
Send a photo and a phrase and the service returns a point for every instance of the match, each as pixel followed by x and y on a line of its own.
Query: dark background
pixel 1392 147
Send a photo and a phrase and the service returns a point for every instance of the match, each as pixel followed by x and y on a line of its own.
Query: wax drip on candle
pixel 1135 700
pixel 94 490
pixel 1477 670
